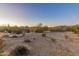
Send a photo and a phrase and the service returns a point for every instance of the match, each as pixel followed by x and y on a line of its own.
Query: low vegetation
pixel 75 29
pixel 5 36
pixel 1 45
pixel 43 35
pixel 27 41
pixel 53 40
pixel 20 51
pixel 66 37
pixel 38 29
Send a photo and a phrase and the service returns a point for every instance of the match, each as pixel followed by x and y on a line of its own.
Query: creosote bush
pixel 20 51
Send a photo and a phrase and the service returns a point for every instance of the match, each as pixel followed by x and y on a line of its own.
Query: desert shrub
pixel 14 36
pixel 34 38
pixel 27 41
pixel 18 32
pixel 45 28
pixel 23 34
pixel 1 45
pixel 53 40
pixel 66 36
pixel 61 29
pixel 75 29
pixel 14 31
pixel 43 35
pixel 39 30
pixel 51 30
pixel 20 51
pixel 9 31
pixel 28 31
pixel 5 36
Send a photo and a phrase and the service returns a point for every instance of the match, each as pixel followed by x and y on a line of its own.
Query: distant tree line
pixel 38 29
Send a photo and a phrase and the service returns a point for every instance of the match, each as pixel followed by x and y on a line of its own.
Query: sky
pixel 32 14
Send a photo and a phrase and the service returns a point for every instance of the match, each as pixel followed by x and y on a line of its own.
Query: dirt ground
pixel 54 44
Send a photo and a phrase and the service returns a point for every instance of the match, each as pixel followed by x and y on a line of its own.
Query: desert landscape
pixel 39 29
pixel 55 43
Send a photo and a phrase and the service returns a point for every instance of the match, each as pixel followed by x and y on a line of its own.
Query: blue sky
pixel 32 14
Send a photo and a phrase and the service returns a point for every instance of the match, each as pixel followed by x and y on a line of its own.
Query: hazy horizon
pixel 32 14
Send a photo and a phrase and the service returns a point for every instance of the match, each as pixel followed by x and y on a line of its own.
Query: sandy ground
pixel 44 46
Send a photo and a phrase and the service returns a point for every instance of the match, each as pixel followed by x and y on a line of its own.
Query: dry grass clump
pixel 20 51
